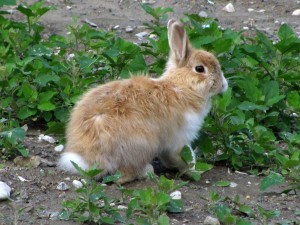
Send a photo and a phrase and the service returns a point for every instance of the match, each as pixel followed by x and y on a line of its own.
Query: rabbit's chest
pixel 193 123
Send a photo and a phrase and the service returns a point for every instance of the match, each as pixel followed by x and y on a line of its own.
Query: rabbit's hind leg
pixel 172 160
pixel 130 174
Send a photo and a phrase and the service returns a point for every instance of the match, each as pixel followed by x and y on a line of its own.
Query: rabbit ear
pixel 177 40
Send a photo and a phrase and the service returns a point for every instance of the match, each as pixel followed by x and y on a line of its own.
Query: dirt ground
pixel 36 199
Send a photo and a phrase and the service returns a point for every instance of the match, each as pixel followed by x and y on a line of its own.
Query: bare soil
pixel 36 199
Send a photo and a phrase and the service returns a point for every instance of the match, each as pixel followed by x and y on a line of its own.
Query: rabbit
pixel 123 125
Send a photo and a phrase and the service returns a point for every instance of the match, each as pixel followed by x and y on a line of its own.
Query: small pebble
pixel 149 2
pixel 122 207
pixel 296 12
pixel 22 179
pixel 229 8
pixel 233 185
pixel 129 29
pixel 62 186
pixel 211 221
pixel 248 197
pixel 116 27
pixel 59 148
pixel 54 216
pixel 77 184
pixel 153 36
pixel 203 14
pixel 46 138
pixel 176 195
pixel 4 191
pixel 69 7
pixel 142 34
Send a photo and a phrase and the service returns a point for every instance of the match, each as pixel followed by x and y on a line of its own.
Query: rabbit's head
pixel 197 69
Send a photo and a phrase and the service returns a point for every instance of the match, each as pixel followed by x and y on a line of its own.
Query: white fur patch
pixel 225 83
pixel 193 124
pixel 64 162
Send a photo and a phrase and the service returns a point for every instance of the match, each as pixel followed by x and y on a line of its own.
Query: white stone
pixel 246 28
pixel 77 184
pixel 69 7
pixel 22 179
pixel 46 138
pixel 62 186
pixel 142 34
pixel 250 10
pixel 176 195
pixel 4 191
pixel 229 8
pixel 210 2
pixel 149 2
pixel 211 221
pixel 203 14
pixel 233 185
pixel 116 27
pixel 122 207
pixel 59 148
pixel 128 29
pixel 153 36
pixel 296 12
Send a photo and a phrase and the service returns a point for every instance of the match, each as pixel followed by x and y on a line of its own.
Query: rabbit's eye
pixel 200 69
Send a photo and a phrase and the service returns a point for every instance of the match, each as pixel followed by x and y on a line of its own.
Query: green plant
pixel 150 205
pixel 91 203
pixel 229 211
pixel 11 138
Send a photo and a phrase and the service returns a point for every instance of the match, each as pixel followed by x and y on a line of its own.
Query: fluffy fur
pixel 123 125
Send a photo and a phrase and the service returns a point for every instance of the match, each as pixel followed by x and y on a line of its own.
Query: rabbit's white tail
pixel 64 162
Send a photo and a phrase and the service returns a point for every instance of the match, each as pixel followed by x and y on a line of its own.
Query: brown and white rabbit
pixel 123 125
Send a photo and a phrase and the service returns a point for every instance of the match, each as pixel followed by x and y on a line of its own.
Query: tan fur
pixel 123 125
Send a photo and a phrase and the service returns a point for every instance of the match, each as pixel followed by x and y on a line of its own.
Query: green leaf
pixel 15 135
pixel 271 180
pixel 165 184
pixel 271 92
pixel 246 209
pixel 222 211
pixel 175 206
pixel 186 154
pixel 249 106
pixel 112 178
pixel 43 79
pixel 46 96
pixel 23 151
pixel 222 183
pixel 24 112
pixel 162 198
pixel 222 45
pixel 7 2
pixel 268 214
pixel 194 175
pixel 40 50
pixel 79 170
pixel 46 106
pixel 133 66
pixel 243 222
pixel 285 32
pixel 25 10
pixel 293 99
pixel 203 167
pixel 163 220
